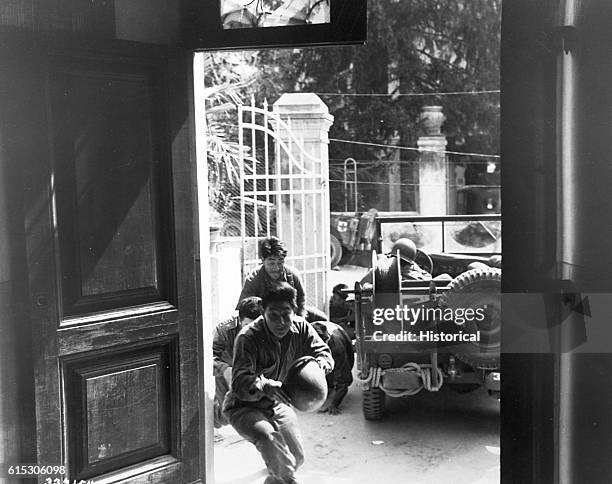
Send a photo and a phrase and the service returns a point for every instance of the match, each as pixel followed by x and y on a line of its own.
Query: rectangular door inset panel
pixel 115 196
pixel 121 408
pixel 122 412
pixel 112 190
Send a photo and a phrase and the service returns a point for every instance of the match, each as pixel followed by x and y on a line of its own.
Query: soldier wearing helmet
pixel 409 268
pixel 407 253
pixel 407 249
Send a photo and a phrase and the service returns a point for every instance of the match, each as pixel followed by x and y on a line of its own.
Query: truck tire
pixel 478 289
pixel 335 251
pixel 386 282
pixel 373 404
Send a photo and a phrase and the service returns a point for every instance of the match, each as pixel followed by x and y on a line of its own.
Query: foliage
pixel 222 94
pixel 224 91
pixel 414 46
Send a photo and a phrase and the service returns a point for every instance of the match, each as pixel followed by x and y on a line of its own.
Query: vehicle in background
pixel 351 232
pixel 402 323
pixel 354 234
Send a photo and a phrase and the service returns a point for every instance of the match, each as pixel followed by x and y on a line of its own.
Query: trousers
pixel 221 388
pixel 275 434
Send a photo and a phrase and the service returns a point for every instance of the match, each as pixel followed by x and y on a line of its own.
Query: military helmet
pixel 305 384
pixel 406 247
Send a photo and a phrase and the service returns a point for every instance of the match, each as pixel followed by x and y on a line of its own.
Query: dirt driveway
pixel 430 438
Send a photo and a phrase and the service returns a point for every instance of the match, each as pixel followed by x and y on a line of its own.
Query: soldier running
pixel 255 405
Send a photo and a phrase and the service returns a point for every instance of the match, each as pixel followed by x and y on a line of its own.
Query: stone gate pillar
pixel 433 187
pixel 302 217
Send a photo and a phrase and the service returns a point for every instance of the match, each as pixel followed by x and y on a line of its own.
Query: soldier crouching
pixel 256 406
pixel 338 380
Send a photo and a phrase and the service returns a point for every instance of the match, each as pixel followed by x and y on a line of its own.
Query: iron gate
pixel 284 191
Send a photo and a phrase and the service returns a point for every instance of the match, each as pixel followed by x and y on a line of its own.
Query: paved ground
pixel 429 438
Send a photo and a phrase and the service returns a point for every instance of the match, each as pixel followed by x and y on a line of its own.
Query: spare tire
pixel 386 282
pixel 478 289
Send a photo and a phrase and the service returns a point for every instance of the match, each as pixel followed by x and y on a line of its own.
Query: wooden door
pixel 110 242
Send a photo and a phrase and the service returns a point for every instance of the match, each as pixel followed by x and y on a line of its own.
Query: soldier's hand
pixel 274 389
pixel 227 374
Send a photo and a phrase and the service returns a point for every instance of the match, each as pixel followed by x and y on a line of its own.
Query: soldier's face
pixel 274 266
pixel 278 316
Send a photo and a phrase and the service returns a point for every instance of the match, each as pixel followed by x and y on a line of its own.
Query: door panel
pixel 121 407
pixel 114 286
pixel 112 188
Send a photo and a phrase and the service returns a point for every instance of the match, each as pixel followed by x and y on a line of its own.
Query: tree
pixel 225 83
pixel 414 46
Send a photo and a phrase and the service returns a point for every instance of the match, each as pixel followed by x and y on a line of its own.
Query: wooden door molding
pixel 132 330
pixel 112 176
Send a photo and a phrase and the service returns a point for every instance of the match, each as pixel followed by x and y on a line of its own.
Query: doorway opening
pixel 415 132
